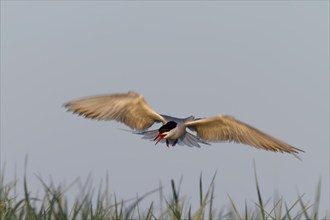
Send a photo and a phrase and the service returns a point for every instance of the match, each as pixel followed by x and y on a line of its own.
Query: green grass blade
pixel 261 205
pixel 288 210
pixel 200 190
pixel 200 212
pixel 304 208
pixel 189 213
pixel 30 214
pixel 246 211
pixel 235 208
pixel 211 204
pixel 317 200
pixel 150 212
pixel 176 208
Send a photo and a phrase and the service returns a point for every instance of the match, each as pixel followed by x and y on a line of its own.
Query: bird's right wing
pixel 129 108
pixel 227 128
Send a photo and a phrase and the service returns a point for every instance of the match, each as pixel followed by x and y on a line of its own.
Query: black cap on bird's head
pixel 167 127
pixel 164 129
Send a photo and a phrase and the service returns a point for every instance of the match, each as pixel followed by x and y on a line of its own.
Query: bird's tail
pixel 149 135
pixel 192 140
pixel 188 139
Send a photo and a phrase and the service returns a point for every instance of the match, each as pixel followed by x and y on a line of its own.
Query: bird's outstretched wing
pixel 227 128
pixel 129 108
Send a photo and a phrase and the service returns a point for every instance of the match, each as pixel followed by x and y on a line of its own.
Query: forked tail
pixel 188 139
pixel 192 140
pixel 149 135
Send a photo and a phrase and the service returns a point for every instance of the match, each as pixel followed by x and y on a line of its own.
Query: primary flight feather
pixel 133 110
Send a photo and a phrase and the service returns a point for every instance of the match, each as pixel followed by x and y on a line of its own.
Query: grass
pixel 54 205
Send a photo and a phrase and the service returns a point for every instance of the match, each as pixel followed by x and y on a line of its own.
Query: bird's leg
pixel 167 143
pixel 174 143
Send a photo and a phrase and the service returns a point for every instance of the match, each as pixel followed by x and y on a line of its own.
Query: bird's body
pixel 132 109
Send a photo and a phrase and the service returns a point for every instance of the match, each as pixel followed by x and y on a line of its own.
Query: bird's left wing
pixel 129 108
pixel 227 128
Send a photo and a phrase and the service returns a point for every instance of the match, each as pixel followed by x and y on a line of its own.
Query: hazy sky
pixel 266 63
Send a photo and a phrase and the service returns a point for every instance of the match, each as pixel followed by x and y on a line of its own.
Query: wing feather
pixel 227 128
pixel 129 108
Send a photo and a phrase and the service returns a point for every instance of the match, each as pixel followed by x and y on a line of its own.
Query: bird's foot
pixel 167 143
pixel 174 143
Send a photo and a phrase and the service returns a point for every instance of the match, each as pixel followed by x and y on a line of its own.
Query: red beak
pixel 159 138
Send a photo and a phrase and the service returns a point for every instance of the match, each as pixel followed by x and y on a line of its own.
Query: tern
pixel 132 109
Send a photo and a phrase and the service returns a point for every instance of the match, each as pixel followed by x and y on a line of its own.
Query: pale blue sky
pixel 266 63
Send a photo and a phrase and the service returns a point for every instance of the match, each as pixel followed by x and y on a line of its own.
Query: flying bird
pixel 132 109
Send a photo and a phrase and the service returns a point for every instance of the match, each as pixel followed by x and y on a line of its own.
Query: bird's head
pixel 164 130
